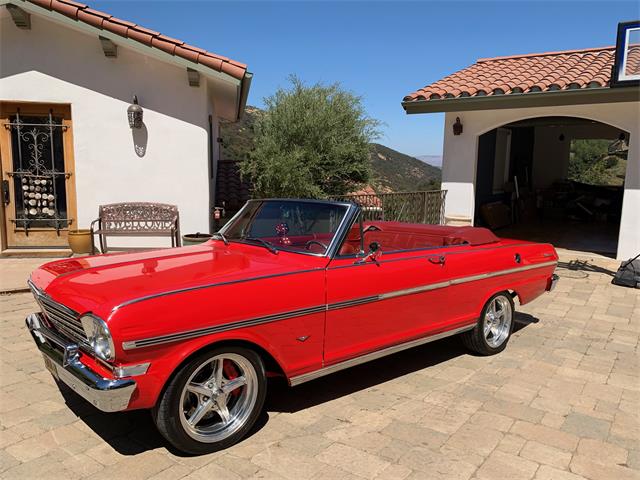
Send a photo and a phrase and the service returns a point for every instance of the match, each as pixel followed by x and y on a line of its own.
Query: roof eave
pixel 524 100
pixel 124 41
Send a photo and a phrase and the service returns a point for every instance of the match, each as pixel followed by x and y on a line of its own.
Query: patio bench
pixel 136 219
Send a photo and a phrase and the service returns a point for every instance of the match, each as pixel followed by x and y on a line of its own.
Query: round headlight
pixel 99 337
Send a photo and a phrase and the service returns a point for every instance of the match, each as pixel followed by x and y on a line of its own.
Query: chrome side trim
pixel 411 291
pixel 353 302
pixel 146 342
pixel 499 273
pixel 352 362
pixel 152 341
pixel 210 285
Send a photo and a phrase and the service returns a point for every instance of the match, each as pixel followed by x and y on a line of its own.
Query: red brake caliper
pixel 231 372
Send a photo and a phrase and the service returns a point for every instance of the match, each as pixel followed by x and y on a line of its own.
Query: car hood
pixel 98 284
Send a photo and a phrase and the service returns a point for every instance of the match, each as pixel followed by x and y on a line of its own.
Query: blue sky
pixel 380 50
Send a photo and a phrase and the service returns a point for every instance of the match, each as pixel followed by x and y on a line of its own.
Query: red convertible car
pixel 297 288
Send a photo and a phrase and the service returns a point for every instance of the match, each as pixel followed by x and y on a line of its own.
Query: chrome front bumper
pixel 62 360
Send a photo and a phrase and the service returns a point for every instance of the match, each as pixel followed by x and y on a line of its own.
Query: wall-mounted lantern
pixel 457 127
pixel 134 113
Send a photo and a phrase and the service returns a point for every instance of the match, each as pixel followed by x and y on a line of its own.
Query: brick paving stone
pixel 602 452
pixel 545 454
pixel 633 460
pixel 546 435
pixel 505 465
pixel 593 470
pixel 475 439
pixel 353 460
pixel 511 444
pixel 174 472
pixel 414 434
pixel 586 426
pixel 493 421
pixel 545 472
pixel 427 463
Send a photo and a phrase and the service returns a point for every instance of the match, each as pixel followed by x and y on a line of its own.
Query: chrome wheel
pixel 218 397
pixel 497 321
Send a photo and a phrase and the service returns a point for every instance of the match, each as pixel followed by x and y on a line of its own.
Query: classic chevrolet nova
pixel 295 288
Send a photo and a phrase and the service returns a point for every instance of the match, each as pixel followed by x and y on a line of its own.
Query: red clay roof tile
pixel 65 9
pixel 43 3
pixel 139 36
pixel 100 20
pixel 93 20
pixel 587 68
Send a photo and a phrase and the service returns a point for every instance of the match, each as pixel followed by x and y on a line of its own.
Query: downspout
pixel 245 85
pixel 212 177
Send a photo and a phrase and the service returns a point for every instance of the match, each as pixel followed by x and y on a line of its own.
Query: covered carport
pixel 553 179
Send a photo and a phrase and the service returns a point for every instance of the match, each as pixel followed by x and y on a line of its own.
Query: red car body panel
pixel 307 312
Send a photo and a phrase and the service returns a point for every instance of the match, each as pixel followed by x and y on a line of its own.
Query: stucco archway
pixel 461 153
pixel 553 179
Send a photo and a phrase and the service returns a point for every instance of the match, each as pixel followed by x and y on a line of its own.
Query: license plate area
pixel 50 365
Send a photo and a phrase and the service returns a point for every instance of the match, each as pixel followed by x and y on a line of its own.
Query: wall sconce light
pixel 134 114
pixel 457 127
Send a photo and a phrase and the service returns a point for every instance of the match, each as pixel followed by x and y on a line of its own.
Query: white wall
pixel 460 155
pixel 54 64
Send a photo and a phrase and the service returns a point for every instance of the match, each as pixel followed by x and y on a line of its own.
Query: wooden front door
pixel 38 187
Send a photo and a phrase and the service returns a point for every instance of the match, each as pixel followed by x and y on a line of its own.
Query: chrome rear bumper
pixel 62 360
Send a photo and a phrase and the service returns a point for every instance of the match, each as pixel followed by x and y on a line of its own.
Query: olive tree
pixel 312 141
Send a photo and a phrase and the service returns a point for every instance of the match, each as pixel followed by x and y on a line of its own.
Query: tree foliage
pixel 312 142
pixel 591 163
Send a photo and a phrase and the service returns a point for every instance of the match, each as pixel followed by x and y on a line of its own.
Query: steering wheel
pixel 311 242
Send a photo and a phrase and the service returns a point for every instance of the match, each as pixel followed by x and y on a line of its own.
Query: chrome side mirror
pixel 375 252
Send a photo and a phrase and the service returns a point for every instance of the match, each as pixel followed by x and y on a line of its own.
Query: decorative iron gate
pixel 413 207
pixel 38 173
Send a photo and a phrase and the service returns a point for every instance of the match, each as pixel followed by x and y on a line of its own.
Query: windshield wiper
pixel 222 237
pixel 264 243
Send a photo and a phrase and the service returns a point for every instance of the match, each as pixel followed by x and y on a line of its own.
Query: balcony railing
pixel 413 207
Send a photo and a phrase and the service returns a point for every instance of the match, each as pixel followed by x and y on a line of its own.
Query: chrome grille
pixel 63 319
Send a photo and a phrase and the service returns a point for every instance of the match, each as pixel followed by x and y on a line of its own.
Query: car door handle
pixel 437 259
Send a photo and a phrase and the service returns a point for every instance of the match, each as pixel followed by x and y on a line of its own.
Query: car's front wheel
pixel 494 327
pixel 213 400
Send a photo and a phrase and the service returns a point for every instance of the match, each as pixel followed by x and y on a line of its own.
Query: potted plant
pixel 80 241
pixel 195 238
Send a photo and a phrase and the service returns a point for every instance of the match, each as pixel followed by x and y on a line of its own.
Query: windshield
pixel 292 225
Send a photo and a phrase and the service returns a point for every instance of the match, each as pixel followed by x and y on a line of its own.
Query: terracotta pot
pixel 195 238
pixel 455 220
pixel 80 241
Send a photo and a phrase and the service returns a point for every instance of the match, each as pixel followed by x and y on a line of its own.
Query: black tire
pixel 168 412
pixel 476 341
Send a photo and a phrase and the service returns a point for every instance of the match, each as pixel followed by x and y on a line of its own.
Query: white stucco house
pixel 68 75
pixel 510 124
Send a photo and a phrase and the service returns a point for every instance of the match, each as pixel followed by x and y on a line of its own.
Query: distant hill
pixel 396 172
pixel 392 170
pixel 237 137
pixel 435 160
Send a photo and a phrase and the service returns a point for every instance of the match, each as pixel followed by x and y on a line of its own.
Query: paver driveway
pixel 564 397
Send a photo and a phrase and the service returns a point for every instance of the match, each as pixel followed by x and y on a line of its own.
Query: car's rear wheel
pixel 493 329
pixel 213 400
